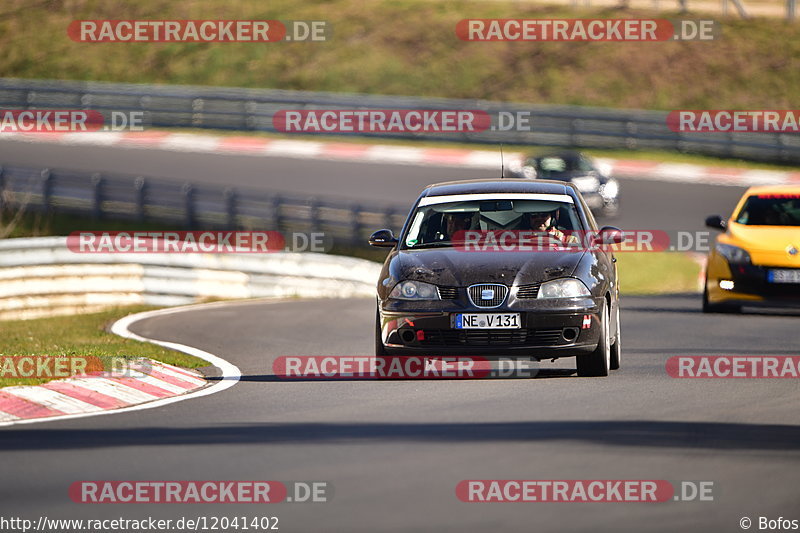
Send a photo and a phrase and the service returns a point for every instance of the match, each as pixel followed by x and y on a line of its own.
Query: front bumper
pixel 549 329
pixel 751 286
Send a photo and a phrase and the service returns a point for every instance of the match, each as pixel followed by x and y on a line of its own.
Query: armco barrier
pixel 253 110
pixel 42 277
pixel 140 199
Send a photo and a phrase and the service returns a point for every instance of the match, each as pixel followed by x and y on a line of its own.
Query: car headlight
pixel 563 288
pixel 414 290
pixel 610 189
pixel 733 254
pixel 586 183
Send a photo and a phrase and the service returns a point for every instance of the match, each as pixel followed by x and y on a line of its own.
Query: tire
pixel 380 349
pixel 598 363
pixel 616 348
pixel 717 308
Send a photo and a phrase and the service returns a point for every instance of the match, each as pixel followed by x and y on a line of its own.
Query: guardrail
pixel 142 199
pixel 253 110
pixel 42 277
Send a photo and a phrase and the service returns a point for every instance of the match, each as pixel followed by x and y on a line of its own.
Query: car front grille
pixel 507 337
pixel 448 293
pixel 531 291
pixel 498 294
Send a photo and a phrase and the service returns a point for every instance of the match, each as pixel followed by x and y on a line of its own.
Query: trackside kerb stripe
pixel 86 395
pixel 230 376
pixel 23 408
pixel 52 399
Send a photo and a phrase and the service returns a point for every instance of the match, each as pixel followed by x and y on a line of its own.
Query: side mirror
pixel 716 222
pixel 609 235
pixel 382 238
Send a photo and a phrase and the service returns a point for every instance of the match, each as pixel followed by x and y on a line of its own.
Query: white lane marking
pixel 230 373
pixel 52 399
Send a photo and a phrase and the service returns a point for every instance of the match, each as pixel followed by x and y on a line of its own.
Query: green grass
pixel 409 47
pixel 80 336
pixel 657 273
pixel 36 224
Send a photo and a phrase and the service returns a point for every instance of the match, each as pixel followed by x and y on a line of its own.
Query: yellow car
pixel 756 261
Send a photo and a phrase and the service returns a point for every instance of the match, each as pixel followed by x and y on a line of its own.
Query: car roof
pixel 504 185
pixel 789 189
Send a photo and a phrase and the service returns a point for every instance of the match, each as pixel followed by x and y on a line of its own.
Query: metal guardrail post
pixel 188 195
pixel 314 215
pixel 97 195
pixel 47 189
pixel 140 187
pixel 356 228
pixel 276 217
pixel 230 198
pixel 389 219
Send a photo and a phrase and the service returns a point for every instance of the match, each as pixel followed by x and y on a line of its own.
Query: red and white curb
pixel 92 396
pixel 397 154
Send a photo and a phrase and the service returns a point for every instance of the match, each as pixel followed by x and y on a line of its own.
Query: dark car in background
pixel 599 189
pixel 438 297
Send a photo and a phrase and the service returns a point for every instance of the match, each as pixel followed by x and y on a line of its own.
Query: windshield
pixel 557 164
pixel 770 210
pixel 436 225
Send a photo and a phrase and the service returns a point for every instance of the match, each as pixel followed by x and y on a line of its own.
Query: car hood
pixel 456 268
pixel 763 238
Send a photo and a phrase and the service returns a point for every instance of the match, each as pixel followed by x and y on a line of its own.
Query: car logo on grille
pixel 792 250
pixel 487 294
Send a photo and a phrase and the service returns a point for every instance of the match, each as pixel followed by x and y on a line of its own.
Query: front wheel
pixel 598 363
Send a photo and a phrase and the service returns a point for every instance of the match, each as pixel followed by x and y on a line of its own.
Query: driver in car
pixel 545 222
pixel 455 222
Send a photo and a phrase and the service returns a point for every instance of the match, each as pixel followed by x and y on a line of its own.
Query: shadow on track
pixel 688 435
pixel 270 378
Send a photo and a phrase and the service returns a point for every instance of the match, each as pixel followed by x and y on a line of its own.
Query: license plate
pixel 487 321
pixel 784 276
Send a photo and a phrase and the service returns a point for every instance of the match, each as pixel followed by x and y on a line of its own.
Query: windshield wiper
pixel 434 244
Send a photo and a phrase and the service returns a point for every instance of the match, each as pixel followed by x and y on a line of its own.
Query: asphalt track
pixel 395 450
pixel 646 204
